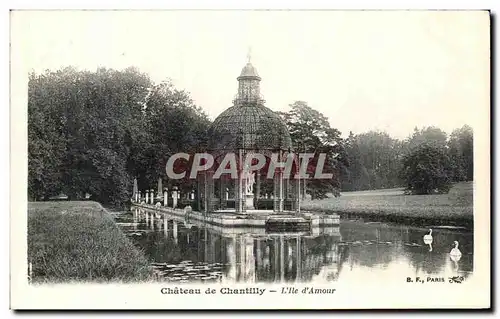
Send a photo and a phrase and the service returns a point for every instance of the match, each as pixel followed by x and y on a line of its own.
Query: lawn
pixel 455 208
pixel 79 241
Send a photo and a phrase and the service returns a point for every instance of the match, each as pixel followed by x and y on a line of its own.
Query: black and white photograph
pixel 250 159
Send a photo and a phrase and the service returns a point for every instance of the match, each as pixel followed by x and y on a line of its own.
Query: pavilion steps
pixel 287 224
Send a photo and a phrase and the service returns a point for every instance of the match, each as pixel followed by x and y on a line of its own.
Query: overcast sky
pixel 368 70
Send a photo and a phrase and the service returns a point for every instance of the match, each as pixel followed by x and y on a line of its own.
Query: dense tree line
pixel 375 160
pixel 94 132
pixel 378 161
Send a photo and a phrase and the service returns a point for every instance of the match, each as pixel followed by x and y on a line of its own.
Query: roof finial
pixel 249 54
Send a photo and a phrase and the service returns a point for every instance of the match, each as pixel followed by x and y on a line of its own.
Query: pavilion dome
pixel 250 128
pixel 249 71
pixel 248 124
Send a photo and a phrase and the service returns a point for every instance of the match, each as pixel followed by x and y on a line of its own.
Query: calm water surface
pixel 187 251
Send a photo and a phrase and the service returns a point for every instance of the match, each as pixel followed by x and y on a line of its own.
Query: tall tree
pixel 93 132
pixel 175 124
pixel 93 118
pixel 46 121
pixel 426 169
pixel 381 156
pixel 311 132
pixel 461 150
pixel 355 175
pixel 429 134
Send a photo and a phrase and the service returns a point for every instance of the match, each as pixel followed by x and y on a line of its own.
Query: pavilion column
pixel 286 192
pixel 235 188
pixel 295 187
pixel 278 191
pixel 257 190
pixel 240 186
pixel 278 188
pixel 240 190
pixel 152 197
pixel 211 191
pixel 175 196
pixel 286 187
pixel 295 194
pixel 208 183
pixel 304 189
pixel 292 195
pixel 198 191
pixel 222 193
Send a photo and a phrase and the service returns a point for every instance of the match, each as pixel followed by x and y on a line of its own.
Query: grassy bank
pixel 454 208
pixel 79 241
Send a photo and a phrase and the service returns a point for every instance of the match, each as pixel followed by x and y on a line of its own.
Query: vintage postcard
pixel 250 159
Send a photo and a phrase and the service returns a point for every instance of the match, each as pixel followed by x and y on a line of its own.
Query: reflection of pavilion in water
pixel 250 255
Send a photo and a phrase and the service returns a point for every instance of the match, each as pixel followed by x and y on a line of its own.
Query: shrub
pixel 427 170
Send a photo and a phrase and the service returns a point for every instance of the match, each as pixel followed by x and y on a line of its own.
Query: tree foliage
pixel 374 161
pixel 174 124
pixel 355 176
pixel 427 170
pixel 461 150
pixel 375 158
pixel 381 157
pixel 311 133
pixel 93 132
pixel 429 134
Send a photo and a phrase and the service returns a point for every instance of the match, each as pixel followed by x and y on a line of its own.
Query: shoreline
pixel 408 219
pixel 79 241
pixel 455 208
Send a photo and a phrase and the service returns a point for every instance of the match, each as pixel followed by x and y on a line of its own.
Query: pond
pixel 184 251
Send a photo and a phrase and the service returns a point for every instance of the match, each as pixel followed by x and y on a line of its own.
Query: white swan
pixel 455 256
pixel 428 239
pixel 455 253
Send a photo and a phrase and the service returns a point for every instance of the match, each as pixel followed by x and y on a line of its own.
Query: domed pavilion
pixel 248 127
